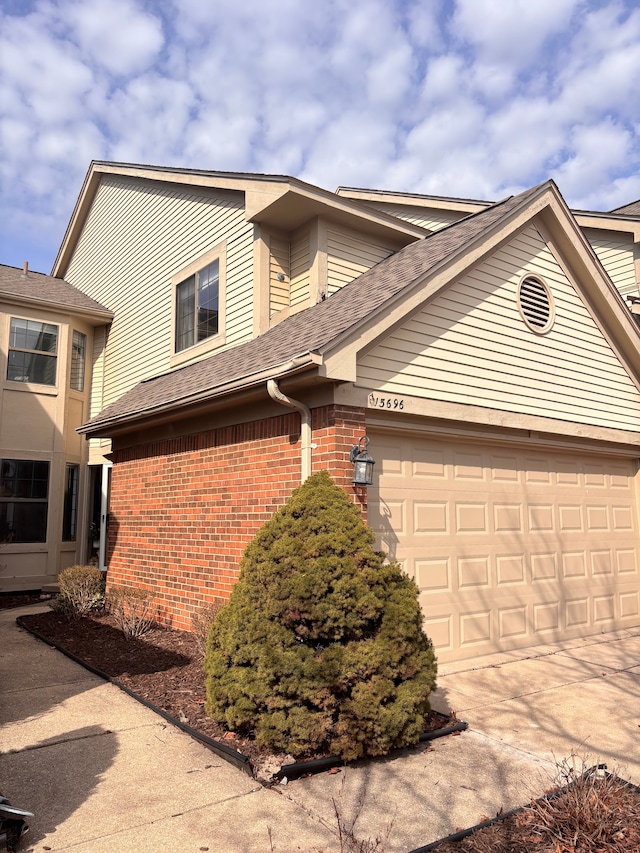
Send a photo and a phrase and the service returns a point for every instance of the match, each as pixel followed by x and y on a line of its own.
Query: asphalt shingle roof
pixel 632 209
pixel 54 291
pixel 312 330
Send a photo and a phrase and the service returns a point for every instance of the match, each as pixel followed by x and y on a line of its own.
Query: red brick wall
pixel 182 510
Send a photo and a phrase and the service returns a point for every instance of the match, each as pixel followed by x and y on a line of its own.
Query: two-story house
pixel 263 326
pixel 46 338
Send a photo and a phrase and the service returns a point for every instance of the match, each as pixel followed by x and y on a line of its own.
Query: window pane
pixel 30 367
pixel 78 354
pixel 30 334
pixel 185 313
pixel 208 289
pixel 70 518
pixel 24 484
pixel 24 478
pixel 23 522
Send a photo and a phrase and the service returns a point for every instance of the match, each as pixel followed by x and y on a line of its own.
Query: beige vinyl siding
pixel 615 253
pixel 425 217
pixel 97 370
pixel 300 267
pixel 98 446
pixel 278 265
pixel 137 236
pixel 349 255
pixel 470 345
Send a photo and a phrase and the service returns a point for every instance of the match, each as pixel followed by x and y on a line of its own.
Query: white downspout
pixel 305 424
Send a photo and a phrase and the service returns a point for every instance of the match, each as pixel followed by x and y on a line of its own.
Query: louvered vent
pixel 535 304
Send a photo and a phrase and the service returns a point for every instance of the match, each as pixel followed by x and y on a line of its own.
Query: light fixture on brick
pixel 362 463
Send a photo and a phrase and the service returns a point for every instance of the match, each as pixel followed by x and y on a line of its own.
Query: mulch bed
pixel 9 600
pixel 163 667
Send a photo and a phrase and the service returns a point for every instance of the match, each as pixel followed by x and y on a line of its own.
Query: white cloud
pixel 512 32
pixel 117 35
pixel 468 97
pixel 596 154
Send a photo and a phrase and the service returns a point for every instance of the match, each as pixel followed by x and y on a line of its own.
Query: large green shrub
pixel 321 646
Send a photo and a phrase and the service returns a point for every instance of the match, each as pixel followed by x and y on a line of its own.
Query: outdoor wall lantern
pixel 362 463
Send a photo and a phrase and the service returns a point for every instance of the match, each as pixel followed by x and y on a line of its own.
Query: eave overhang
pixel 95 316
pixel 301 203
pixel 187 405
pixel 433 202
pixel 609 222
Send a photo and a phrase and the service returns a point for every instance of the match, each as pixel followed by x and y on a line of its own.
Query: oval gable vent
pixel 535 304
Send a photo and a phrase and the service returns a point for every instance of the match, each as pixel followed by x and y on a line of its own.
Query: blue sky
pixel 471 98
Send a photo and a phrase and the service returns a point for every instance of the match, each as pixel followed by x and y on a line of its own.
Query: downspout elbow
pixel 305 424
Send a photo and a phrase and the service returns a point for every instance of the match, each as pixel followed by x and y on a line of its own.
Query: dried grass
pixel 593 812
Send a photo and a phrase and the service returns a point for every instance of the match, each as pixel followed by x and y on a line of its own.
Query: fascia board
pixel 300 203
pixel 458 205
pixel 602 222
pixel 339 361
pixel 620 327
pixel 76 222
pixel 96 314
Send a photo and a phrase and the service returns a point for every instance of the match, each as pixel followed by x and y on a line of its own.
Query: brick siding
pixel 182 510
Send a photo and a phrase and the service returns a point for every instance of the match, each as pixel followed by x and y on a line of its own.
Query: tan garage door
pixel 509 548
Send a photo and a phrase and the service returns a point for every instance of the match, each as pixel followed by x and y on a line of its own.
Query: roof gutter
pixel 305 425
pixel 294 365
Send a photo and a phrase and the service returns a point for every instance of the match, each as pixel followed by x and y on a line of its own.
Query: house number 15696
pixel 386 402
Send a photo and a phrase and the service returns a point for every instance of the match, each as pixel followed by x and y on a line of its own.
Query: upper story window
pixel 198 310
pixel 33 348
pixel 78 357
pixel 198 306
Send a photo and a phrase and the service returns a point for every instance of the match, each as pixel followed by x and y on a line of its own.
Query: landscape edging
pixel 465 833
pixel 288 771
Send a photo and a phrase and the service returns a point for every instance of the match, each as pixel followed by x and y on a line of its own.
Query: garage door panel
pixel 509 548
pixel 630 605
pixel 626 561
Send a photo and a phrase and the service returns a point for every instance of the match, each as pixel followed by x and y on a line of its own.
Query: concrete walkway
pixel 103 773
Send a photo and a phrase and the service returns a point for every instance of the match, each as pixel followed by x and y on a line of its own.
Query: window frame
pixel 54 355
pixel 7 500
pixel 78 367
pixel 198 348
pixel 70 502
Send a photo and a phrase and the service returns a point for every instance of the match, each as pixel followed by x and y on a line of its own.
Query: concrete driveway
pixel 103 773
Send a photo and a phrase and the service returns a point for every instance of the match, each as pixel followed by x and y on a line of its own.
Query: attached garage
pixel 511 546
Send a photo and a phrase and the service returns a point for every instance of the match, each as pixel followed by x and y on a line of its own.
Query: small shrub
pixel 61 604
pixel 320 647
pixel 201 623
pixel 133 609
pixel 81 591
